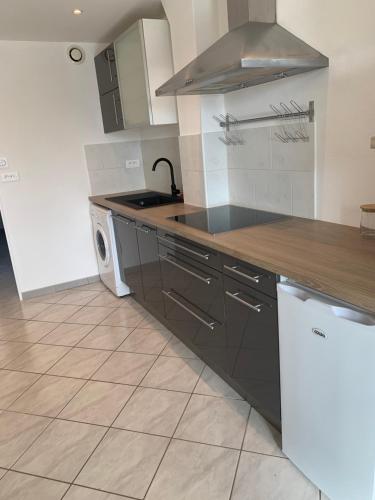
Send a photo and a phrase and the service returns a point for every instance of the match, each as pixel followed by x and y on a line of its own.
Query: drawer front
pixel 257 278
pixel 198 284
pixel 193 250
pixel 199 331
pixel 253 344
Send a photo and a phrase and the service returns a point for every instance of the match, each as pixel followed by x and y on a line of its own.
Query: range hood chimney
pixel 256 50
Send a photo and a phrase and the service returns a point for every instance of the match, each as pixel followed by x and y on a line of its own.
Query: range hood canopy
pixel 255 50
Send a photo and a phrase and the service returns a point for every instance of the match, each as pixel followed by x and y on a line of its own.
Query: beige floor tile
pixel 5 322
pixel 272 478
pixel 79 363
pixel 177 349
pixel 61 450
pixel 17 432
pixel 262 437
pixel 16 486
pixel 57 313
pixel 48 396
pixel 49 298
pixel 98 403
pixel 124 462
pixel 30 331
pixel 83 493
pixel 90 315
pixel 10 326
pixel 212 420
pixel 146 341
pixel 123 317
pixel 149 321
pixel 39 358
pixel 13 384
pixel 175 374
pixel 125 368
pixel 107 299
pixel 153 411
pixel 2 473
pixel 78 298
pixel 23 310
pixel 195 471
pixel 106 337
pixel 67 334
pixel 211 384
pixel 10 350
pixel 97 285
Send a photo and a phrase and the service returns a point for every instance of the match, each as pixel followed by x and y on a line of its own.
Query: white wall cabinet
pixel 144 62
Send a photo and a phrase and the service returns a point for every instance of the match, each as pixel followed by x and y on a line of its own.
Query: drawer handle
pixel 234 269
pixel 143 229
pixel 192 273
pixel 182 247
pixel 211 325
pixel 235 296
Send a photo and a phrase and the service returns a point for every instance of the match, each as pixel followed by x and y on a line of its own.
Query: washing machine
pixel 106 251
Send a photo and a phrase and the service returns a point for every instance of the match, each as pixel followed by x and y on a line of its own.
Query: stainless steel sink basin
pixel 145 200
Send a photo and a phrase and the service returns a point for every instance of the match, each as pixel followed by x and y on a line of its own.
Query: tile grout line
pixel 239 455
pixel 174 432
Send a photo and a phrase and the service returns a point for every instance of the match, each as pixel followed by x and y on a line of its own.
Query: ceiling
pixel 52 20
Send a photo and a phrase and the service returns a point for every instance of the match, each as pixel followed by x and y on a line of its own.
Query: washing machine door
pixel 102 245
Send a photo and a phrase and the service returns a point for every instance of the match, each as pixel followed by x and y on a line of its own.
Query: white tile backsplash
pixel 255 153
pixel 106 164
pixel 214 152
pixel 218 192
pixel 293 156
pixel 194 187
pixel 191 152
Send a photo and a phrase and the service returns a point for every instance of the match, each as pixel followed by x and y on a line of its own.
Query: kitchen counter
pixel 330 258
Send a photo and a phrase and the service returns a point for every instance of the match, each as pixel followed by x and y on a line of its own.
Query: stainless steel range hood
pixel 255 50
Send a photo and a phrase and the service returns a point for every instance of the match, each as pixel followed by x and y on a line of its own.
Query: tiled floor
pixel 100 402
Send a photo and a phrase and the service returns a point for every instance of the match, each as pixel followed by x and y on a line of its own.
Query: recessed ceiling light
pixel 77 12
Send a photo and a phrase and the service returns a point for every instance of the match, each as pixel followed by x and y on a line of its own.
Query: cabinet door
pixel 150 265
pixel 253 346
pixel 127 248
pixel 106 71
pixel 110 104
pixel 132 79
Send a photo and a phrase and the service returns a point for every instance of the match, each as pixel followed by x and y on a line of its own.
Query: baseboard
pixel 30 294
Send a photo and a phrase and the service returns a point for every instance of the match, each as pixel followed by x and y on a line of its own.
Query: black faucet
pixel 175 191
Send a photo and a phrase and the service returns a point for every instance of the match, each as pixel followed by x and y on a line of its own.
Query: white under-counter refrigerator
pixel 327 363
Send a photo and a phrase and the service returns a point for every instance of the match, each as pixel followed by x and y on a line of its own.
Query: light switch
pixel 10 177
pixel 3 163
pixel 132 163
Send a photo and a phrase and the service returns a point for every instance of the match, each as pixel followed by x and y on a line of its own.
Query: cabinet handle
pixel 211 325
pixel 182 247
pixel 192 273
pixel 115 108
pixel 139 228
pixel 235 296
pixel 109 64
pixel 234 269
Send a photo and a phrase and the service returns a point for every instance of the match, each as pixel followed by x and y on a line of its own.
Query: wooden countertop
pixel 330 258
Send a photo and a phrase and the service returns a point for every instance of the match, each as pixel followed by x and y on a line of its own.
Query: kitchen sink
pixel 147 199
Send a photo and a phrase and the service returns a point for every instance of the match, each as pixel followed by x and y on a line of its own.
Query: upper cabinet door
pixel 106 71
pixel 144 62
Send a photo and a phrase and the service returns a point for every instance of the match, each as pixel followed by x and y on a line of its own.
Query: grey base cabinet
pixel 222 309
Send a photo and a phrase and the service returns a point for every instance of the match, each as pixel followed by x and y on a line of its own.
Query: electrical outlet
pixel 132 163
pixel 10 177
pixel 3 163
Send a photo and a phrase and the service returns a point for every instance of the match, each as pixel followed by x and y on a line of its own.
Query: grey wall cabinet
pixel 106 70
pixel 109 93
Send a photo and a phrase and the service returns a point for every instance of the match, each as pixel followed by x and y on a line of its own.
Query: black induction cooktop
pixel 226 218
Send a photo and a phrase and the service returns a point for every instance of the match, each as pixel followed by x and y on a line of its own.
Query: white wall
pixel 344 96
pixel 49 108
